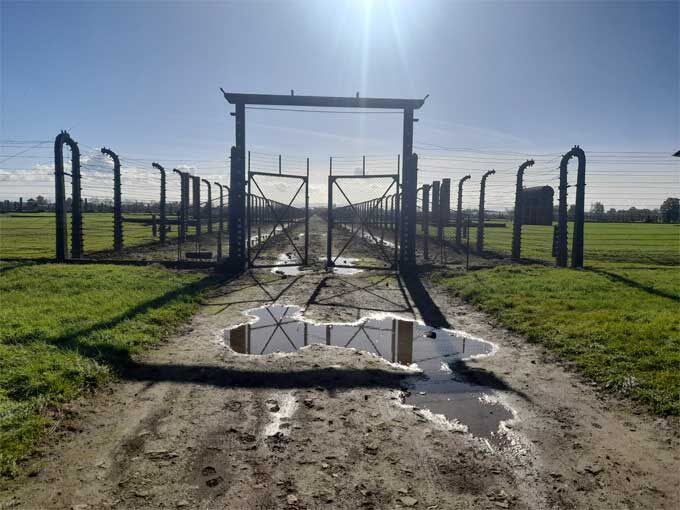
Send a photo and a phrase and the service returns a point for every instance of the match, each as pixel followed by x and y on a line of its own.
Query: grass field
pixel 619 323
pixel 32 236
pixel 647 243
pixel 65 329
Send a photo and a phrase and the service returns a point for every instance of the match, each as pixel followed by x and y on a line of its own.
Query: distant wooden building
pixel 537 205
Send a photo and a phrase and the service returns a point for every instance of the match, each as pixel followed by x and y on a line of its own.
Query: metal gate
pixel 278 218
pixel 368 219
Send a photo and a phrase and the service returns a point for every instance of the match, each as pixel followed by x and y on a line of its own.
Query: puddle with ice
pixel 443 388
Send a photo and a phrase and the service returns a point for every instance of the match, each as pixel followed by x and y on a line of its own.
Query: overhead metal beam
pixel 323 101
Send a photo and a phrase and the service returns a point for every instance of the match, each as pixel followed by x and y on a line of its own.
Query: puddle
pixel 345 261
pixel 441 389
pixel 263 236
pixel 376 239
pixel 288 258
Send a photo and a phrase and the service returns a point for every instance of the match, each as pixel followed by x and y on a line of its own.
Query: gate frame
pixel 237 194
pixel 394 263
pixel 267 201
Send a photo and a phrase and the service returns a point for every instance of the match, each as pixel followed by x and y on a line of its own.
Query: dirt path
pixel 194 425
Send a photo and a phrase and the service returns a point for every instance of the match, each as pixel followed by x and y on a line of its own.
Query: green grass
pixel 32 235
pixel 647 243
pixel 618 324
pixel 64 329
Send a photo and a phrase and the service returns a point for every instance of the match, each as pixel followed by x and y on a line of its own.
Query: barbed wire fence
pixel 624 193
pixel 623 205
pixel 28 227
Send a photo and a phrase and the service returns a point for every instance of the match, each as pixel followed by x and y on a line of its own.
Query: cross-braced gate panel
pixel 366 221
pixel 268 219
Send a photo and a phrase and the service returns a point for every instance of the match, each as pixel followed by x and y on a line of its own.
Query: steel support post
pixel 407 213
pixel 306 262
pixel 237 193
pixel 329 231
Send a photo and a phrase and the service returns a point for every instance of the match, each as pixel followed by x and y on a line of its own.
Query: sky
pixel 506 81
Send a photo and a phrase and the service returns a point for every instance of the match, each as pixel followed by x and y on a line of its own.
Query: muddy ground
pixel 194 425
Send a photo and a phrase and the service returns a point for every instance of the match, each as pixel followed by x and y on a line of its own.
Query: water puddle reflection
pixel 441 389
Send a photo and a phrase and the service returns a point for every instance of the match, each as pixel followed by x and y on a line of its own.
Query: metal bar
pixel 370 176
pixel 269 174
pixel 409 198
pixel 329 214
pixel 321 101
pixel 306 261
pixel 249 219
pixel 237 193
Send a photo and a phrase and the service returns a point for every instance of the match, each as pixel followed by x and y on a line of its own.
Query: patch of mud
pixel 441 391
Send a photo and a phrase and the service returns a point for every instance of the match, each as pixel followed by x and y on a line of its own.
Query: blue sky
pixel 530 77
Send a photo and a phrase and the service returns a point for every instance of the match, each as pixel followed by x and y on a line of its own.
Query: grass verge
pixel 64 329
pixel 619 326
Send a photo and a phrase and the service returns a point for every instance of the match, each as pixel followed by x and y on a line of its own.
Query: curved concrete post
pixel 182 227
pixel 209 206
pixel 117 201
pixel 60 198
pixel 577 242
pixel 517 223
pixel 162 209
pixel 480 217
pixel 459 210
